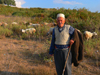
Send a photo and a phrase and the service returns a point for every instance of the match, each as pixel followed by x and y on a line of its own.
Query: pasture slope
pixel 27 57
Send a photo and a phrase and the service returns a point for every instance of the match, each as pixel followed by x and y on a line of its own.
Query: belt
pixel 61 46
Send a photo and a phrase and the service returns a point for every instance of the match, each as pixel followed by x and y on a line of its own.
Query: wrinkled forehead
pixel 60 18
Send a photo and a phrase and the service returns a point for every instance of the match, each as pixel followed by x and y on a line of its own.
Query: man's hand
pixel 71 42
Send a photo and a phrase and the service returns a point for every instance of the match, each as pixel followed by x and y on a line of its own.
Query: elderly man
pixel 62 38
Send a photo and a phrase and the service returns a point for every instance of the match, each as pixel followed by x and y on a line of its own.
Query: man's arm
pixel 52 47
pixel 71 32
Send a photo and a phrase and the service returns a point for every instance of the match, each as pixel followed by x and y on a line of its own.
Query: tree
pixel 8 2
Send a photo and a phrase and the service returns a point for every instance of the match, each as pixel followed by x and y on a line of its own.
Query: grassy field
pixel 22 57
pixel 25 54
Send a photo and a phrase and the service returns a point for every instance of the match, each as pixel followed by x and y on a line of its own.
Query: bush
pixel 22 13
pixel 83 16
pixel 5 32
pixel 24 36
pixel 41 31
pixel 54 14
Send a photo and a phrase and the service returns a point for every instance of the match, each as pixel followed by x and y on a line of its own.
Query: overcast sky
pixel 91 5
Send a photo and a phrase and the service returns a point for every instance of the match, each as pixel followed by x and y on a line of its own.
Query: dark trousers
pixel 60 56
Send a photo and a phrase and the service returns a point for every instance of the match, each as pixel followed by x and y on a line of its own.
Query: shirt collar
pixel 61 29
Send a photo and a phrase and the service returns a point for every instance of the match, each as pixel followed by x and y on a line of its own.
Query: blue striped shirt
pixel 52 47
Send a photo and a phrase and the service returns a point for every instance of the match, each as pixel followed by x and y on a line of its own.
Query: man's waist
pixel 62 46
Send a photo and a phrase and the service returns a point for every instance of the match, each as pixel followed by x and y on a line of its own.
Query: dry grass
pixel 20 57
pixel 44 70
pixel 23 57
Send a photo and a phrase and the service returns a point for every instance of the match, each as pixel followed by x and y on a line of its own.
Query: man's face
pixel 60 21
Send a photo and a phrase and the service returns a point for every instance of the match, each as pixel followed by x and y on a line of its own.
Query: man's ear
pixel 64 20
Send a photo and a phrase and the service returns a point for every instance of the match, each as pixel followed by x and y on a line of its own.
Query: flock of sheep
pixel 87 34
pixel 28 30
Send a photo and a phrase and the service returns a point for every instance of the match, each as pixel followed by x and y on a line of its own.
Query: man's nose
pixel 59 21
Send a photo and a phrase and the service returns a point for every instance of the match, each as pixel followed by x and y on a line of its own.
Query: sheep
pixel 30 30
pixel 24 22
pixel 3 24
pixel 30 23
pixel 23 30
pixel 50 31
pixel 14 23
pixel 89 34
pixel 45 23
pixel 0 23
pixel 34 25
pixel 52 24
pixel 55 24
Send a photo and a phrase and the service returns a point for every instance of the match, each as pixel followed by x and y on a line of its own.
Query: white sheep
pixel 29 30
pixel 14 23
pixel 23 30
pixel 34 25
pixel 50 31
pixel 89 34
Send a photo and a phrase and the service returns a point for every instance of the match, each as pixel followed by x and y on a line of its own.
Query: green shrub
pixel 54 14
pixel 41 31
pixel 5 32
pixel 24 36
pixel 18 14
pixel 83 16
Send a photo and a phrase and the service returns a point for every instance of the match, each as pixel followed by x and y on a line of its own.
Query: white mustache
pixel 60 23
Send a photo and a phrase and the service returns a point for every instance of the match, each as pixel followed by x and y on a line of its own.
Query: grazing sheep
pixel 3 24
pixel 24 22
pixel 30 30
pixel 89 35
pixel 23 30
pixel 30 23
pixel 52 24
pixel 34 25
pixel 14 23
pixel 50 31
pixel 0 23
pixel 45 23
